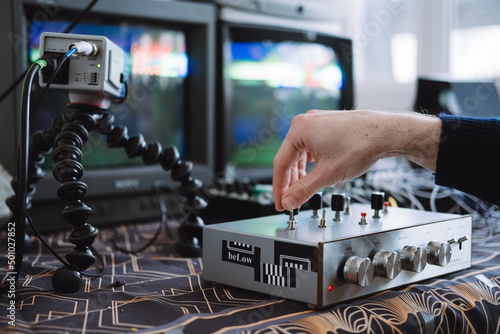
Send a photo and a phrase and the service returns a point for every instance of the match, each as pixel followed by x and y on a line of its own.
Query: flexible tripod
pixel 66 136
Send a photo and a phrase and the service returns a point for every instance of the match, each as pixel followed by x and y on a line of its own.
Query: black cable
pixel 44 243
pixel 20 213
pixel 13 86
pixel 163 223
pixel 85 12
pixel 158 186
pixel 163 212
pixel 122 98
pixel 103 265
pixel 162 187
pixel 22 166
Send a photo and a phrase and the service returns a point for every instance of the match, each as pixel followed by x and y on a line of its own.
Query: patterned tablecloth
pixel 159 292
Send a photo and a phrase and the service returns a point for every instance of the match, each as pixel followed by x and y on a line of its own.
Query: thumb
pixel 301 190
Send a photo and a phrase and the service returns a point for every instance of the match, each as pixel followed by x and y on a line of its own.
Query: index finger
pixel 283 162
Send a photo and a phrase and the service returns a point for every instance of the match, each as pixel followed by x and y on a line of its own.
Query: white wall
pixel 435 39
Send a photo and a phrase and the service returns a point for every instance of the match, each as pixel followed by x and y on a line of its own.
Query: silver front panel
pixel 307 263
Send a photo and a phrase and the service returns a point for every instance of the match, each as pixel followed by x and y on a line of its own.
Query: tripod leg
pixel 68 170
pixel 190 232
pixel 68 133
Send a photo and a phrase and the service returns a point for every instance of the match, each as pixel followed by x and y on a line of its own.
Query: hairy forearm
pixel 415 137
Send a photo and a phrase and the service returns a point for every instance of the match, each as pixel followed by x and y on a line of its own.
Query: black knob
pixel 338 201
pixel 315 202
pixel 377 200
pixel 239 187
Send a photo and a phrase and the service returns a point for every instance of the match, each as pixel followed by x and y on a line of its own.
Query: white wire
pixel 433 197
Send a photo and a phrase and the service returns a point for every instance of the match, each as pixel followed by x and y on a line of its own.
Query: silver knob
pixel 438 253
pixel 358 271
pixel 413 258
pixel 387 264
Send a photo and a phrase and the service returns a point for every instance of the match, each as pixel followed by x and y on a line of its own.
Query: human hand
pixel 344 145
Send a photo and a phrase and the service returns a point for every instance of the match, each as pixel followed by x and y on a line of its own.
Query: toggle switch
pixel 295 212
pixel 347 205
pixel 461 241
pixel 338 201
pixel 316 203
pixel 363 220
pixel 377 201
pixel 386 207
pixel 291 220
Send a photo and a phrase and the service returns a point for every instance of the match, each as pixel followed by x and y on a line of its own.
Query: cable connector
pixel 42 62
pixel 84 48
pixel 56 70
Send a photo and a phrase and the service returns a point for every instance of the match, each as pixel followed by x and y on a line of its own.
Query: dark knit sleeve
pixel 469 156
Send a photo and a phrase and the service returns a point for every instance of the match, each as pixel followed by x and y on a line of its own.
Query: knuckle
pixel 278 164
pixel 298 119
pixel 303 190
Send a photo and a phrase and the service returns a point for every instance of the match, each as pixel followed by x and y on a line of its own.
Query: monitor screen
pixel 156 74
pixel 270 83
pixel 270 75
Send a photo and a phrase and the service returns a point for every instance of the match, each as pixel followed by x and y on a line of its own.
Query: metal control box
pixel 344 260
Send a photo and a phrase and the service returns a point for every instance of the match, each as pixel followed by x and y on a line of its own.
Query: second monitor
pixel 268 75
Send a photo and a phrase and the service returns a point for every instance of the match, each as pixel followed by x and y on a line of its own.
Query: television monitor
pixel 269 74
pixel 171 55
